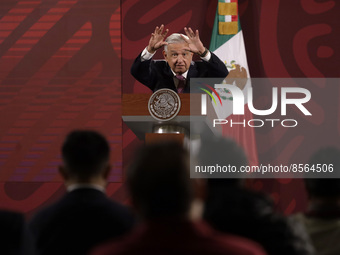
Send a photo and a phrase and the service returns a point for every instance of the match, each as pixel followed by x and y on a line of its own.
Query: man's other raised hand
pixel 157 39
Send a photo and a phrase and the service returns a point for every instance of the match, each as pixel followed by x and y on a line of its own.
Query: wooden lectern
pixel 137 117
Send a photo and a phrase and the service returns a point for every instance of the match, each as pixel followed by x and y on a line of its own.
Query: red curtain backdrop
pixel 59 70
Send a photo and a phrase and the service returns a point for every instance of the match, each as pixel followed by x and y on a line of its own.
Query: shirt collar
pixel 183 74
pixel 73 187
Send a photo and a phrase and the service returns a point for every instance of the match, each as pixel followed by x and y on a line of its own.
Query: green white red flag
pixel 228 44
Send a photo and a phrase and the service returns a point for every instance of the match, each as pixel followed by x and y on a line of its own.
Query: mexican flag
pixel 228 44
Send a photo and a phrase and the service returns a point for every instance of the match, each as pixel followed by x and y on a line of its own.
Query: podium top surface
pixel 137 104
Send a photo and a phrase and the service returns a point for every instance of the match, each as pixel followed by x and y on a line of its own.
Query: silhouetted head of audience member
pixel 159 181
pixel 324 188
pixel 224 152
pixel 85 157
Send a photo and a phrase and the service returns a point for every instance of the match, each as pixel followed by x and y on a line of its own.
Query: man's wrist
pixel 146 55
pixel 151 51
pixel 204 53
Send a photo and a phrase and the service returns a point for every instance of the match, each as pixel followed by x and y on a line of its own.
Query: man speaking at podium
pixel 176 70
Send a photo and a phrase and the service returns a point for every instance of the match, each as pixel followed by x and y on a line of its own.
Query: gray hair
pixel 174 38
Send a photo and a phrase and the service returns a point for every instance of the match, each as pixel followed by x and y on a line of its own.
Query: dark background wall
pixel 64 65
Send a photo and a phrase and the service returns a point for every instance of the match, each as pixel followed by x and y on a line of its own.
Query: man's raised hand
pixel 157 39
pixel 195 44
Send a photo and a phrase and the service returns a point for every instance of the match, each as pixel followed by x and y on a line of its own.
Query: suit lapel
pixel 193 72
pixel 168 78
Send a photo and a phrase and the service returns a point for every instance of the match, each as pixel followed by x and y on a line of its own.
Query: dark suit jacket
pixel 156 74
pixel 81 220
pixel 15 238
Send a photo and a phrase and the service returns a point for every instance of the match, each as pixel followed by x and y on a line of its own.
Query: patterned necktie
pixel 181 83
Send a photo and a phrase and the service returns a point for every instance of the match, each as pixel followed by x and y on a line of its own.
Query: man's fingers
pixel 166 32
pixel 158 30
pixel 161 29
pixel 185 39
pixel 191 32
pixel 186 32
